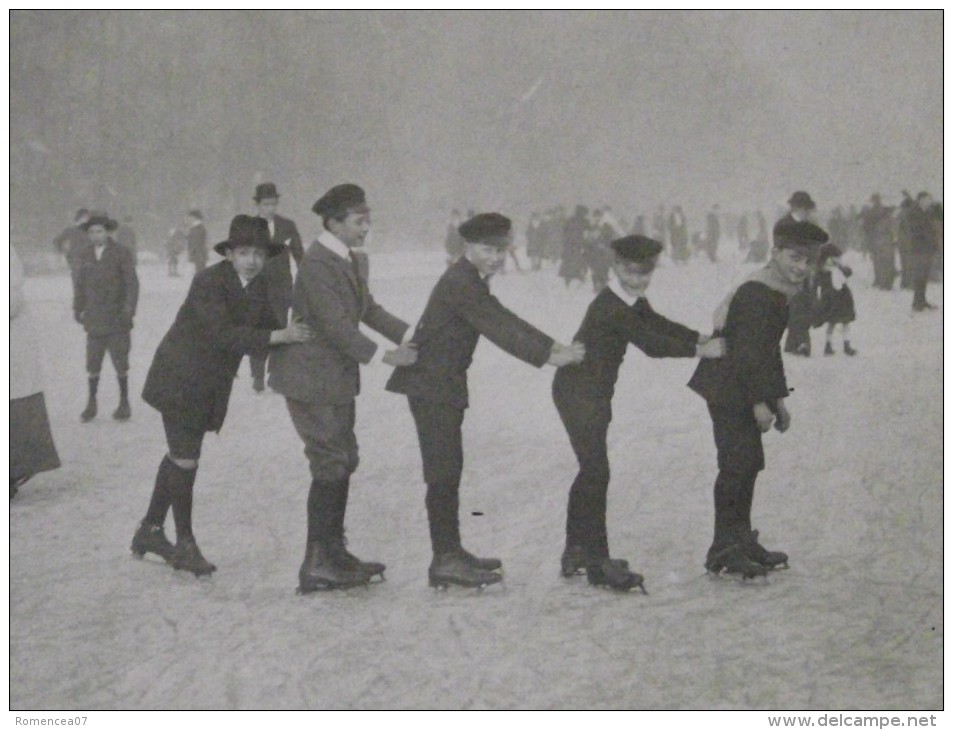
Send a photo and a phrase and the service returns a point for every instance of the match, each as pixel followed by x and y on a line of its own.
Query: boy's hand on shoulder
pixel 763 416
pixel 784 417
pixel 402 356
pixel 711 348
pixel 294 332
pixel 561 355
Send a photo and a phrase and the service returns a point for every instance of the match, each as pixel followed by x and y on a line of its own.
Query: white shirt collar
pixel 334 244
pixel 616 288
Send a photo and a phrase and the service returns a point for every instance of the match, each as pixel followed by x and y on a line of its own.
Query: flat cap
pixel 339 200
pixel 489 228
pixel 799 234
pixel 639 249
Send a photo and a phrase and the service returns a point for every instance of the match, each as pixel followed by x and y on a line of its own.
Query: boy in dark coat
pixel 105 294
pixel 619 315
pixel 745 392
pixel 461 309
pixel 225 316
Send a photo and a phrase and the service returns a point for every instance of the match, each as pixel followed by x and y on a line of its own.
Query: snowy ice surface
pixel 853 492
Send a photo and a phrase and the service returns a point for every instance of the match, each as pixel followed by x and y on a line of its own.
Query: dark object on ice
pixel 90 411
pixel 640 249
pixel 614 574
pixel 152 539
pixel 802 200
pixel 848 350
pixel 454 569
pixel 322 571
pixel 733 560
pixel 123 412
pixel 187 556
pixel 828 348
pixel 757 553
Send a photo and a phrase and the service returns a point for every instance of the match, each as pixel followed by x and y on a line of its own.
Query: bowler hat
pixel 800 234
pixel 99 218
pixel 340 199
pixel 640 249
pixel 266 190
pixel 802 200
pixel 247 230
pixel 489 228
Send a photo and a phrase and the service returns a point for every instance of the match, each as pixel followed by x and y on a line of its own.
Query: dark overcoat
pixel 105 291
pixel 461 309
pixel 751 370
pixel 192 372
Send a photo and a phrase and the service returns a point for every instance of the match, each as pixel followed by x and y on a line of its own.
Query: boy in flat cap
pixel 105 294
pixel 226 315
pixel 278 271
pixel 745 392
pixel 620 314
pixel 320 379
pixel 461 309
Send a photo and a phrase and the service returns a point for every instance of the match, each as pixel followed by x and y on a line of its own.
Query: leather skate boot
pixel 453 569
pixel 123 412
pixel 614 574
pixel 187 556
pixel 339 552
pixel 828 348
pixel 480 563
pixel 152 539
pixel 848 350
pixel 320 571
pixel 575 560
pixel 757 553
pixel 732 559
pixel 89 413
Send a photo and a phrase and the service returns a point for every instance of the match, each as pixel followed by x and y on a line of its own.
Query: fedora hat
pixel 99 218
pixel 247 230
pixel 265 190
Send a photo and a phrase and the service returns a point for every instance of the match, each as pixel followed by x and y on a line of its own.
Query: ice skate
pixel 123 412
pixel 480 563
pixel 89 413
pixel 352 563
pixel 614 574
pixel 757 553
pixel 454 569
pixel 187 556
pixel 828 349
pixel 848 350
pixel 733 560
pixel 323 571
pixel 152 539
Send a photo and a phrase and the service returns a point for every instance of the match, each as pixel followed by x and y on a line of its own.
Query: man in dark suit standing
pixel 105 294
pixel 279 270
pixel 197 240
pixel 320 379
pixel 745 393
pixel 461 309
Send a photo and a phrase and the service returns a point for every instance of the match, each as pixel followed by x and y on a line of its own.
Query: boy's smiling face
pixel 634 276
pixel 794 264
pixel 247 260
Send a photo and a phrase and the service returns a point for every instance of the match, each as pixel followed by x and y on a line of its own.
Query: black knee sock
pixel 93 385
pixel 745 498
pixel 322 507
pixel 727 522
pixel 161 498
pixel 123 388
pixel 179 483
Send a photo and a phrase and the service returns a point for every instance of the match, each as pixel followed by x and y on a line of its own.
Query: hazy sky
pixel 149 113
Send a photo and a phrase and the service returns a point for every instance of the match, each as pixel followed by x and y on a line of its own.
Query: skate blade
pixel 444 585
pixel 328 587
pixel 142 556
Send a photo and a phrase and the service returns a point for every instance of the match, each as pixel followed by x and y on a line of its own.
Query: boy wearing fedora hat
pixel 745 392
pixel 320 379
pixel 225 316
pixel 618 316
pixel 461 309
pixel 105 294
pixel 279 270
